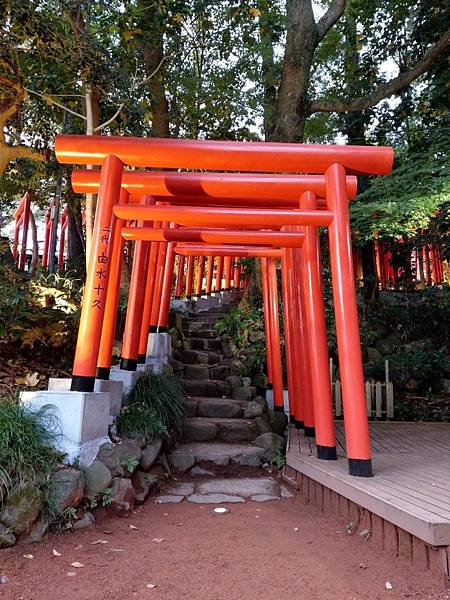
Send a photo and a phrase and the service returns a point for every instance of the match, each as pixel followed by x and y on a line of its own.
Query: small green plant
pixel 130 463
pixel 278 458
pixel 106 496
pixel 27 443
pixel 139 419
pixel 69 514
pixel 151 479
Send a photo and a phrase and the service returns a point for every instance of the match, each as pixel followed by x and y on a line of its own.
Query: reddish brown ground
pixel 252 553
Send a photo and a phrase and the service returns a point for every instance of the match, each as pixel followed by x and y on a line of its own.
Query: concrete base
pixel 114 388
pixel 79 420
pixel 286 402
pixel 147 368
pixel 159 345
pixel 269 399
pixel 128 378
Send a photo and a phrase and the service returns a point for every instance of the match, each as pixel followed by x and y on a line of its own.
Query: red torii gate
pixel 332 162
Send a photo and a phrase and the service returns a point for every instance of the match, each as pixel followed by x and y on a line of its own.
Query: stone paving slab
pixel 169 499
pixel 221 453
pixel 214 499
pixel 244 487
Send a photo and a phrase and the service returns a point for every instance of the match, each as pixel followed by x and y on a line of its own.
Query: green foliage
pixel 130 464
pixel 155 406
pixel 26 445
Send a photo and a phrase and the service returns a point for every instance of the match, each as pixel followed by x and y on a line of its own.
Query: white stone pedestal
pixel 269 399
pixel 115 388
pixel 128 378
pixel 79 420
pixel 159 350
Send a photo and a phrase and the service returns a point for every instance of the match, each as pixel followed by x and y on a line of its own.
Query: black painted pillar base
pixel 299 424
pixel 279 409
pixel 141 359
pixel 326 452
pixel 82 383
pixel 128 364
pixel 310 432
pixel 360 467
pixel 103 373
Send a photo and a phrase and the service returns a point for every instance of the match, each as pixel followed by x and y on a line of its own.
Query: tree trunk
pixel 269 72
pixel 75 245
pixel 301 42
pixel 35 246
pixel 153 52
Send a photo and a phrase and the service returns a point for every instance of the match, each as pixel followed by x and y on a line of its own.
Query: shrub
pixel 26 445
pixel 155 405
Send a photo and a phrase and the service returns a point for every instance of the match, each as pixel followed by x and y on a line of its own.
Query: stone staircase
pixel 224 414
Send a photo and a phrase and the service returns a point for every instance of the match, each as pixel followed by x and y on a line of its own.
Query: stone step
pixel 202 357
pixel 195 343
pixel 217 453
pixel 213 388
pixel 199 429
pixel 207 333
pixel 218 408
pixel 200 372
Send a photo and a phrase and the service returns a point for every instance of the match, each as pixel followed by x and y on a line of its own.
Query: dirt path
pixel 259 551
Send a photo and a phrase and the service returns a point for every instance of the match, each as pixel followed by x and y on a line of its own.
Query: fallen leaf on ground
pixel 362 566
pixel 151 585
pixel 180 524
pixel 107 532
pixel 56 553
pixel 28 556
pixel 117 550
pixel 71 574
pixel 159 540
pixel 4 579
pixel 77 565
pixel 388 585
pixel 133 527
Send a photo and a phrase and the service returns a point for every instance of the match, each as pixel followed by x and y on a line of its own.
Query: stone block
pixel 81 420
pixel 115 388
pixel 128 378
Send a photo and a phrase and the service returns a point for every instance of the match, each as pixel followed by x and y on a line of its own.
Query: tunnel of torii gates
pixel 258 199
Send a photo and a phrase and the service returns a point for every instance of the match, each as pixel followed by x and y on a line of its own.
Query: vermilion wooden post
pixel 157 286
pixel 136 295
pixel 25 225
pixel 209 275
pixel 180 277
pixel 94 299
pixel 45 250
pixel 189 277
pixel 306 410
pixel 347 330
pixel 62 239
pixel 236 274
pixel 148 299
pixel 286 277
pixel 227 267
pixel 317 337
pixel 267 321
pixel 277 371
pixel 200 275
pixel 166 290
pixel 219 274
pixel 112 297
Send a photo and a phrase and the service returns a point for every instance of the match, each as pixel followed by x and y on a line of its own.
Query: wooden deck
pixel 411 486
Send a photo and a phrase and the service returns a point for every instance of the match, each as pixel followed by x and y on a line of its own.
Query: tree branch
pixel 385 89
pixel 332 15
pixel 51 101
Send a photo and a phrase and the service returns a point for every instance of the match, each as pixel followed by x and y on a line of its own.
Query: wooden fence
pixel 379 395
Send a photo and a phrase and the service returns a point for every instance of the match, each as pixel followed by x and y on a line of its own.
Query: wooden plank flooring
pixel 411 486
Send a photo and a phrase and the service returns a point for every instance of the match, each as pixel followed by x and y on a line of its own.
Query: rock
pixel 98 478
pixel 7 538
pixel 155 475
pixel 262 426
pixel 107 454
pixel 199 430
pixel 180 489
pixel 244 487
pixel 252 410
pixel 264 498
pixel 123 497
pixel 37 531
pixel 200 472
pixel 270 441
pixel 4 579
pixel 181 460
pixel 236 430
pixel 86 521
pixel 373 355
pixel 219 372
pixel 196 372
pixel 67 488
pixel 222 454
pixel 169 499
pixel 243 393
pixel 219 408
pixel 234 381
pixel 278 421
pixel 246 381
pixel 285 493
pixel 444 385
pixel 129 454
pixel 388 344
pixel 223 388
pixel 150 454
pixel 249 459
pixel 214 499
pixel 21 509
pixel 139 480
pixel 262 403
